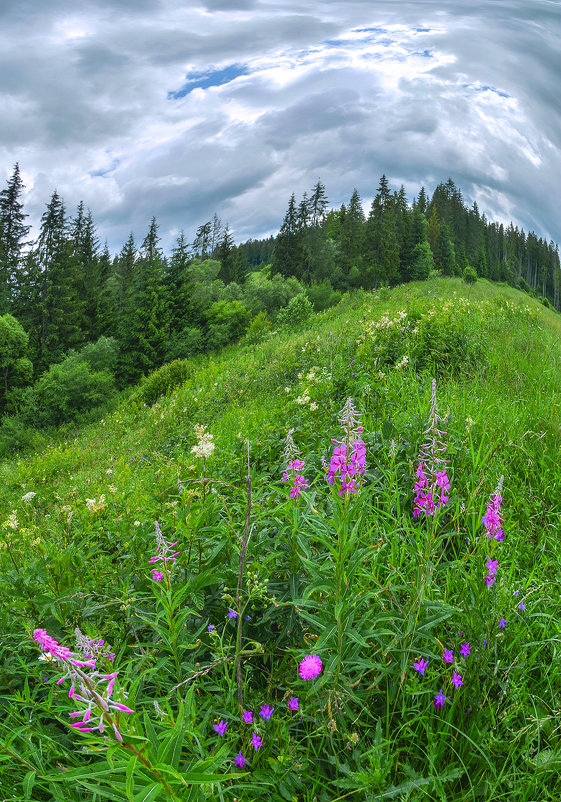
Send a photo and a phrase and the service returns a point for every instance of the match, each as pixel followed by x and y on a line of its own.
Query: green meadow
pixel 259 580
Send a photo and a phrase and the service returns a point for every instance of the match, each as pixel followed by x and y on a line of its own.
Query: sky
pixel 178 110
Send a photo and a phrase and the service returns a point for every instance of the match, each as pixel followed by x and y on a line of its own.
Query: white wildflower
pixel 96 504
pixel 205 446
pixel 29 496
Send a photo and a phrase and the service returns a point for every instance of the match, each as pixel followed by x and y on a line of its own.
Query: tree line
pixel 63 293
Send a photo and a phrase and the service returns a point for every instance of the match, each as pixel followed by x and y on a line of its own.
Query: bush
pixel 64 392
pixel 258 329
pixel 185 344
pixel 297 312
pixel 101 355
pixel 162 381
pixel 323 296
pixel 15 436
pixel 469 275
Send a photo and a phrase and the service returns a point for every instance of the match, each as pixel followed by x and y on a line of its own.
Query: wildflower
pixel 247 717
pixel 293 467
pixel 256 741
pixel 266 712
pixel 239 760
pixel 310 667
pixel 28 497
pixel 439 699
pixel 92 688
pixel 349 455
pixel 220 728
pixel 492 566
pixel 164 553
pixel 457 679
pixel 448 656
pixel 522 606
pixel 205 446
pixel 157 576
pixel 502 623
pixel 231 613
pixel 465 649
pixel 96 504
pixel 420 665
pixel 432 485
pixel 293 703
pixel 210 627
pixel 490 580
pixel 492 520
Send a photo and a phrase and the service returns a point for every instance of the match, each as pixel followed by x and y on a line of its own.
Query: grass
pixel 360 582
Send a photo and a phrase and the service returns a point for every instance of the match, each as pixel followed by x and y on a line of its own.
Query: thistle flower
pixel 94 689
pixel 432 485
pixel 310 667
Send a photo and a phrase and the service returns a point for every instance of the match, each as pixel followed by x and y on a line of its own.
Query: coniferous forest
pixel 75 316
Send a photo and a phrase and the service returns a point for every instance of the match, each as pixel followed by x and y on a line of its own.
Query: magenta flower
pixel 293 703
pixel 492 520
pixel 457 679
pixel 165 552
pixel 439 699
pixel 465 649
pixel 348 460
pixel 157 576
pixel 432 486
pixel 231 613
pixel 420 665
pixel 310 667
pixel 220 728
pixel 256 741
pixel 247 717
pixel 239 760
pixel 490 580
pixel 491 566
pixel 502 623
pixel 448 656
pixel 266 712
pixel 293 467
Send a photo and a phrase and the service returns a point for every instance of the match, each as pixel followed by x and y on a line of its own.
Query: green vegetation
pixel 360 582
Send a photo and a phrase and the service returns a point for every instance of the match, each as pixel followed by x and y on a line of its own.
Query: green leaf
pixel 149 794
pixel 28 782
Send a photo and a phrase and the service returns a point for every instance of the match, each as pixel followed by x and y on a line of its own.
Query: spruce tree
pixel 13 232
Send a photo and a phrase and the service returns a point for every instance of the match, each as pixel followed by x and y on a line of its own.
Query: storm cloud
pixel 154 108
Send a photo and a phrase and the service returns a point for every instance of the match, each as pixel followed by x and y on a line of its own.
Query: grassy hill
pixel 263 580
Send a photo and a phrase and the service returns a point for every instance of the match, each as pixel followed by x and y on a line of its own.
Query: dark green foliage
pixel 16 369
pixel 469 275
pixel 163 381
pixel 13 232
pixel 101 355
pixel 322 295
pixel 423 262
pixel 185 343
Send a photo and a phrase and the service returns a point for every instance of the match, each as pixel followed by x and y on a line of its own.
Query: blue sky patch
pixel 204 80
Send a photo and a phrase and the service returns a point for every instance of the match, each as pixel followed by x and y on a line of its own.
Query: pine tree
pixel 13 232
pixel 227 255
pixel 288 254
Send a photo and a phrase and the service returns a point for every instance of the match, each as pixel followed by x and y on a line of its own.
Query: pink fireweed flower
pixel 492 520
pixel 348 461
pixel 247 717
pixel 465 650
pixel 239 760
pixel 93 689
pixel 220 728
pixel 164 554
pixel 256 741
pixel 448 656
pixel 439 699
pixel 293 467
pixel 293 703
pixel 310 667
pixel 157 576
pixel 432 486
pixel 420 665
pixel 457 679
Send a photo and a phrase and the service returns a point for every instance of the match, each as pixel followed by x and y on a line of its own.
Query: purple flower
pixel 502 623
pixel 492 520
pixel 231 613
pixel 492 566
pixel 247 717
pixel 293 703
pixel 522 606
pixel 457 679
pixel 239 760
pixel 256 741
pixel 220 728
pixel 157 576
pixel 266 712
pixel 439 699
pixel 210 627
pixel 448 656
pixel 432 485
pixel 420 665
pixel 490 580
pixel 310 667
pixel 465 649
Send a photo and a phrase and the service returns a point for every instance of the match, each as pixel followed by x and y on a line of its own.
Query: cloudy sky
pixel 178 109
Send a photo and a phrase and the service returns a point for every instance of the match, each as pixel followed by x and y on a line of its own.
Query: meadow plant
pixel 432 485
pixel 348 461
pixel 293 467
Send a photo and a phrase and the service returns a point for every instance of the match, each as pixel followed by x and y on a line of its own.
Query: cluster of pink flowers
pixel 293 467
pixel 93 689
pixel 348 461
pixel 93 648
pixel 432 486
pixel 164 554
pixel 492 521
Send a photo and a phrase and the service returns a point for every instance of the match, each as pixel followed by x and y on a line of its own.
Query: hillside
pixel 346 573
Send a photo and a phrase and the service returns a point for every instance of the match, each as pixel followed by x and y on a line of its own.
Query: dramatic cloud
pixel 159 108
